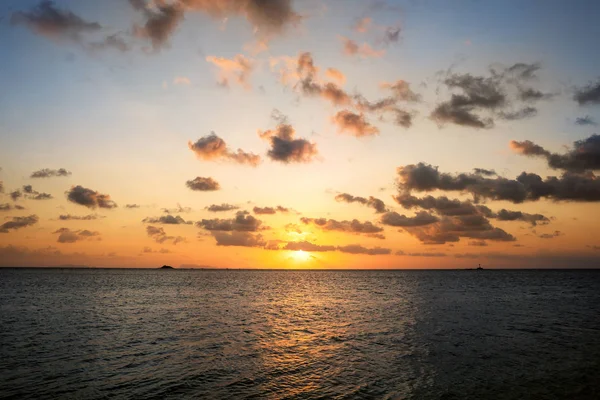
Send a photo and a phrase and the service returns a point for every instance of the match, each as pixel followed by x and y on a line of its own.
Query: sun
pixel 300 255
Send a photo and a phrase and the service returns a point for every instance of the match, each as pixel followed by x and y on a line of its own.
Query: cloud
pixel 212 147
pixel 166 219
pixel 54 23
pixel 479 243
pixel 241 239
pixel 523 113
pixel 15 195
pixel 358 249
pixel 68 236
pixel 336 75
pixel 10 207
pixel 18 223
pixel 551 235
pixel 132 206
pixel 34 194
pixel 307 246
pixel 285 148
pixel 161 251
pixel 351 48
pixel 392 218
pixel 508 215
pixel 160 236
pixel 203 184
pixel 89 198
pixel 484 172
pixel 267 17
pixel 48 173
pixel 362 25
pixel 585 154
pixel 401 90
pixel 354 124
pixel 451 229
pixel 114 41
pixel 585 121
pixel 269 210
pixel 375 203
pixel 221 207
pixel 177 210
pixel 526 187
pixel 242 222
pixel 421 254
pixel 453 207
pixel 237 69
pixel 354 226
pixel 69 217
pixel 482 98
pixel 589 94
pixel 161 21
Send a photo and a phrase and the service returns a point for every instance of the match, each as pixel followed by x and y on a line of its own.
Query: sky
pixel 299 134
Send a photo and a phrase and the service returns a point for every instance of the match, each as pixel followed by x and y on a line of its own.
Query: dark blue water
pixel 95 334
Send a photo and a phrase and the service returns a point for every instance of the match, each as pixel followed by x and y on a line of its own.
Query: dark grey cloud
pixel 203 184
pixel 161 251
pixel 550 235
pixel 483 98
pixel 161 21
pixel 585 121
pixel 285 148
pixel 176 210
pixel 523 113
pixel 354 226
pixel 10 207
pixel 166 219
pixel 589 94
pixel 212 147
pixel 585 154
pixel 65 235
pixel 268 17
pixel 451 229
pixel 221 207
pixel 18 223
pixel 160 236
pixel 508 215
pixel 242 222
pixel 358 249
pixel 132 206
pixel 392 218
pixel 114 41
pixel 453 207
pixel 485 172
pixel 15 195
pixel 373 202
pixel 34 194
pixel 526 187
pixel 49 173
pixel 69 217
pixel 269 210
pixel 89 198
pixel 236 238
pixel 55 23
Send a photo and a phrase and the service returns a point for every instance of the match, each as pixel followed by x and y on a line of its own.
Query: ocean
pixel 240 334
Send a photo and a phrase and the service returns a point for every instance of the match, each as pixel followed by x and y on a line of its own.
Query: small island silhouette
pixel 166 267
pixel 478 268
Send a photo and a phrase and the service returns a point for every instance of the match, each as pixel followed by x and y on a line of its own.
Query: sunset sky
pixel 299 134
